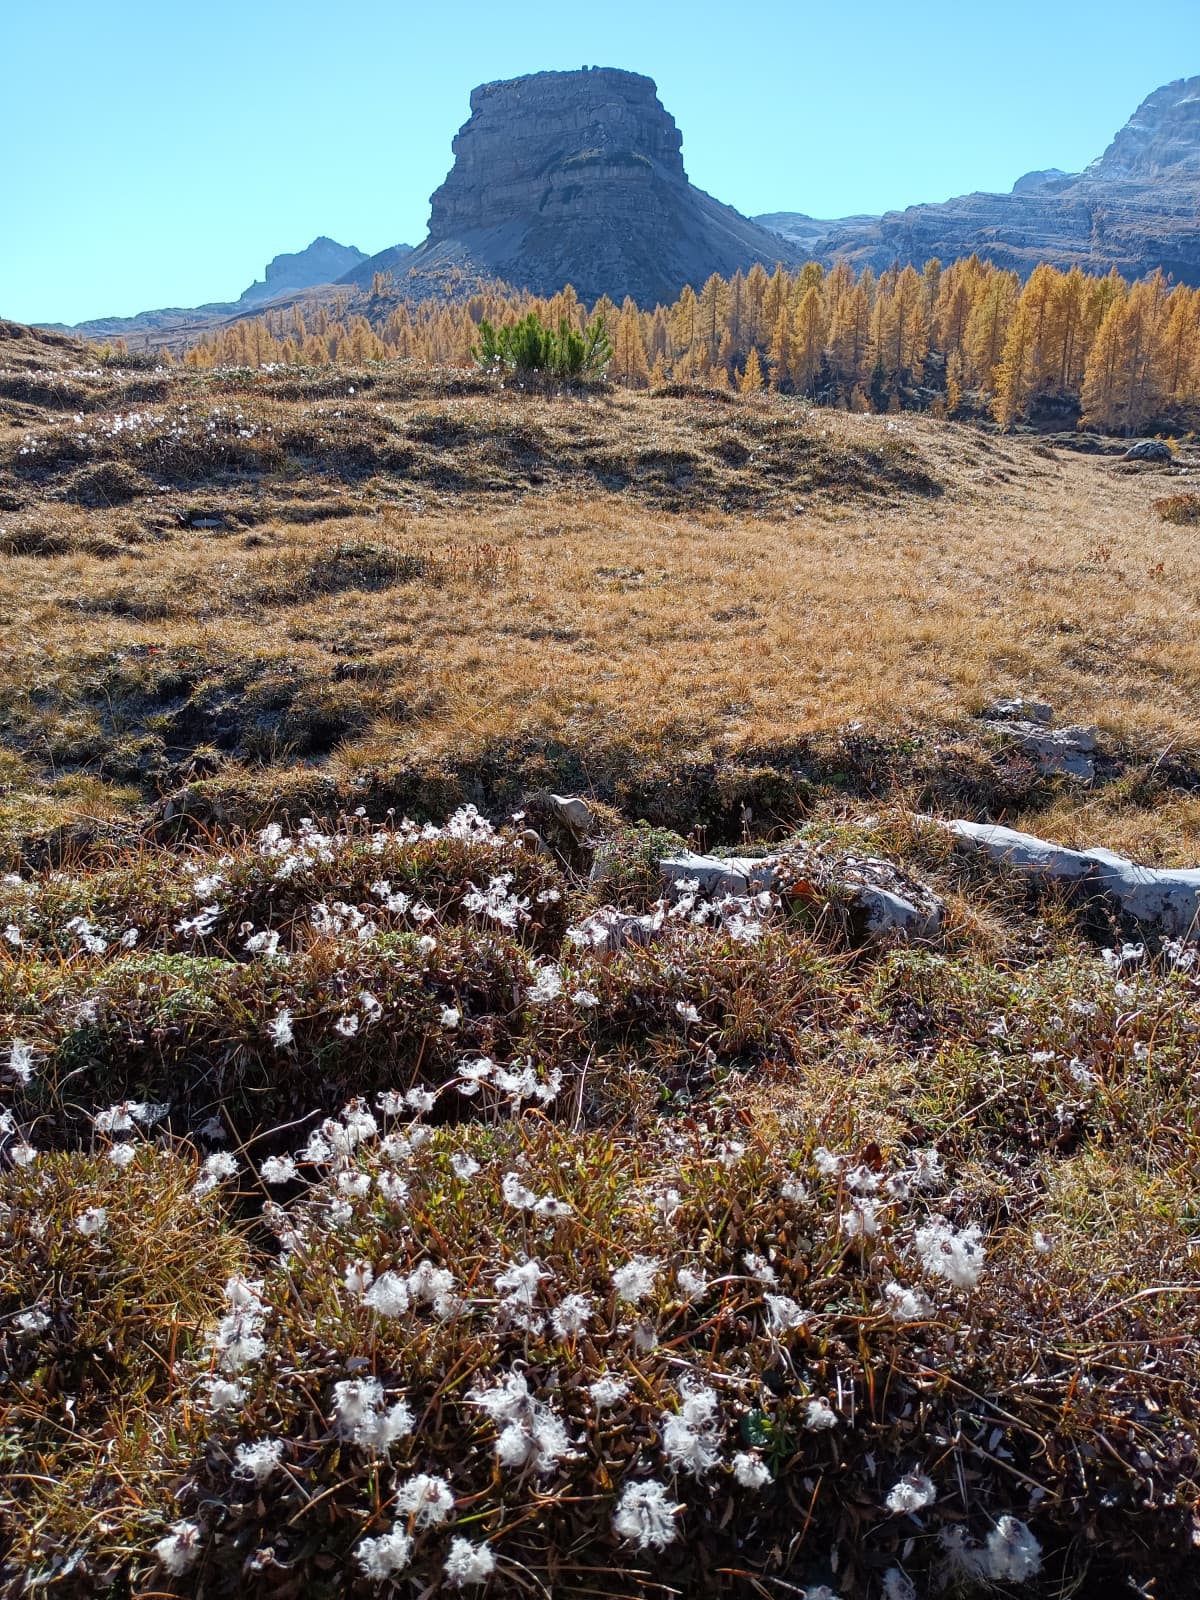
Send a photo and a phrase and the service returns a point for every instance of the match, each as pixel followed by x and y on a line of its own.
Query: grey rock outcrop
pixel 879 900
pixel 1153 450
pixel 718 875
pixel 1067 750
pixel 577 177
pixel 1027 723
pixel 1166 900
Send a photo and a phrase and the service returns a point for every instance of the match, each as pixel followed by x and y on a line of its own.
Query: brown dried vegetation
pixel 734 618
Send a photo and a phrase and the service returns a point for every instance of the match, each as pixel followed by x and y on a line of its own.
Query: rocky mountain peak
pixel 1031 182
pixel 578 177
pixel 1134 208
pixel 323 261
pixel 536 142
pixel 1162 138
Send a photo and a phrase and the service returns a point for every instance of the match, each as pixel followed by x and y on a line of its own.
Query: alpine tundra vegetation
pixel 509 1084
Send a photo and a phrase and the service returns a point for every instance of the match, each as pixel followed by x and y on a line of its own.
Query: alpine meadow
pixel 600 894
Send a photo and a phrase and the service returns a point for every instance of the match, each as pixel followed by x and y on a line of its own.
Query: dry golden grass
pixel 448 610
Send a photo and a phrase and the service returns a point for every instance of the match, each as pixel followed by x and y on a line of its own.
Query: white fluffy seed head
pixel 388 1296
pixel 645 1516
pixel 953 1254
pixel 427 1499
pixel 382 1557
pixel 913 1493
pixel 750 1470
pixel 634 1282
pixel 259 1459
pixel 820 1415
pixel 179 1550
pixel 468 1563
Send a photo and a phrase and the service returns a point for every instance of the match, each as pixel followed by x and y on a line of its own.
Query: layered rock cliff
pixel 1136 207
pixel 578 177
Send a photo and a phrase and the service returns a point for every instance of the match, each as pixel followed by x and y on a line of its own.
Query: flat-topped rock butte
pixel 578 177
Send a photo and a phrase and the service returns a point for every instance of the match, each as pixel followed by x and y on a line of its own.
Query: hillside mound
pixel 447 435
pixel 24 349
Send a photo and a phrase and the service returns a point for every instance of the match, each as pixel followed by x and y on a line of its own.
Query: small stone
pixel 1066 750
pixel 575 814
pixel 1018 709
pixel 1149 450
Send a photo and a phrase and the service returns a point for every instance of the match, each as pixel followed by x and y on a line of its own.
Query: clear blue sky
pixel 160 154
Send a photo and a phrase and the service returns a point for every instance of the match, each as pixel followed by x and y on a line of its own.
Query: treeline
pixel 961 340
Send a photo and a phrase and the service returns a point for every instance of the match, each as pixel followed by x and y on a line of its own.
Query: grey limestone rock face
pixel 718 875
pixel 880 901
pixel 1163 899
pixel 578 177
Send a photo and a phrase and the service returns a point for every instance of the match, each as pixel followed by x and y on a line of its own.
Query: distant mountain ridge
pixel 578 177
pixel 1136 207
pixel 322 262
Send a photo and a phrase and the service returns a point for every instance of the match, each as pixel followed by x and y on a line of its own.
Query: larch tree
pixel 811 276
pixel 658 339
pixel 808 341
pixel 952 311
pixel 751 380
pixel 735 310
pixel 684 326
pixel 849 337
pixel 710 314
pixel 779 350
pixel 911 326
pixel 991 308
pixel 1101 394
pixel 1142 377
pixel 1015 372
pixel 1181 347
pixel 885 344
pixel 756 330
pixel 931 277
pixel 777 297
pixel 629 365
pixel 1060 367
pixel 726 355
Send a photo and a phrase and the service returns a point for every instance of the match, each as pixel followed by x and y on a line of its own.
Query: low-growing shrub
pixel 1182 509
